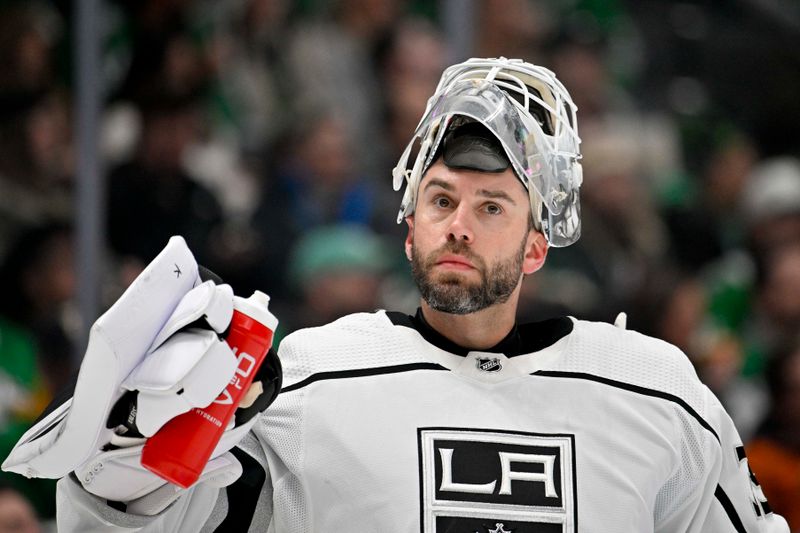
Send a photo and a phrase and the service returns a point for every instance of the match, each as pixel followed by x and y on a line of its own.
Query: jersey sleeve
pixel 721 493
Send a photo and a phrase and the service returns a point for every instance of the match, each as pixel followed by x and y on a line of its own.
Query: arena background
pixel 264 131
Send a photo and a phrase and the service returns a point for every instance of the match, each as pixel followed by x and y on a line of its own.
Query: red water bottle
pixel 179 451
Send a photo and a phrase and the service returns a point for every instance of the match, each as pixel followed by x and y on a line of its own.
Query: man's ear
pixel 410 236
pixel 535 252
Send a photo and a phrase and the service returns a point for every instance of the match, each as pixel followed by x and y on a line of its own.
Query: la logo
pixel 507 474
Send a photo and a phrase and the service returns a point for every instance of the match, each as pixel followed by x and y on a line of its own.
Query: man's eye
pixel 493 209
pixel 441 201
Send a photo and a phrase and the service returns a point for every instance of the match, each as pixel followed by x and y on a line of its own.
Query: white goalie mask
pixel 532 116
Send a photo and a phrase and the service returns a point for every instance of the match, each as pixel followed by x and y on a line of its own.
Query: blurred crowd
pixel 265 131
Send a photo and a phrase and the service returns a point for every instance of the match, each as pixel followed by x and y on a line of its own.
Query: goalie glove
pixel 117 474
pixel 159 340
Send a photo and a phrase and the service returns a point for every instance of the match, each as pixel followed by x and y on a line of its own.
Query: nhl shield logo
pixel 488 364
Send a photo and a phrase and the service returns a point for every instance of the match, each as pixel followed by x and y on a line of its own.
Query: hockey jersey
pixel 384 425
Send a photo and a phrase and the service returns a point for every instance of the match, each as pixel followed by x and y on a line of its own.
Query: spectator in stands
pixel 152 197
pixel 317 184
pixel 38 285
pixel 775 452
pixel 16 513
pixel 337 270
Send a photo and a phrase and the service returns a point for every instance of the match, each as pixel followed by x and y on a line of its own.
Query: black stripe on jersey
pixel 762 505
pixel 362 372
pixel 730 510
pixel 740 453
pixel 765 507
pixel 243 494
pixel 632 388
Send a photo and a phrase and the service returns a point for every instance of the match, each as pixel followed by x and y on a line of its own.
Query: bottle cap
pixel 257 308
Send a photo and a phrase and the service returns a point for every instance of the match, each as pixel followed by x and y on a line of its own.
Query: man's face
pixel 469 240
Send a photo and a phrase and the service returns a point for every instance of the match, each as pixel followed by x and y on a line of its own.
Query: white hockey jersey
pixel 383 425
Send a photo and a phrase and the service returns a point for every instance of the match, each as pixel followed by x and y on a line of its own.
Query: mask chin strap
pixel 400 172
pixel 536 206
pixel 412 177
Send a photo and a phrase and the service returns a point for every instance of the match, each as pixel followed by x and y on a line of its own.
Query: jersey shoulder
pixel 356 341
pixel 346 331
pixel 631 358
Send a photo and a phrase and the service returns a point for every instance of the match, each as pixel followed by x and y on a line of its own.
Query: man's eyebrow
pixel 497 195
pixel 436 182
pixel 486 193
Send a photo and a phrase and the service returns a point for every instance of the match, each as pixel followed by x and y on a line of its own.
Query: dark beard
pixel 451 294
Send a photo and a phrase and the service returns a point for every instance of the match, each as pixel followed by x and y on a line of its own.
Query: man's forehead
pixel 488 183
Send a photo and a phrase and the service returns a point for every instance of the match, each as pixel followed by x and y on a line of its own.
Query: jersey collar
pixel 522 339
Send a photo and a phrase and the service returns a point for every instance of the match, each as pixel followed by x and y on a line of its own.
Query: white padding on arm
pixel 118 475
pixel 219 473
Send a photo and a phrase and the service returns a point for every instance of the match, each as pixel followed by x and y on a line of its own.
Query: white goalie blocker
pixel 137 345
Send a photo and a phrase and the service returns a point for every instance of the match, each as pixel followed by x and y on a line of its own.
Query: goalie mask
pixel 530 114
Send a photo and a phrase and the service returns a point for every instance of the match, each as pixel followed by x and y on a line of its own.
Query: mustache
pixel 458 248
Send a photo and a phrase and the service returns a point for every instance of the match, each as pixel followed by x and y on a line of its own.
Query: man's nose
pixel 461 225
